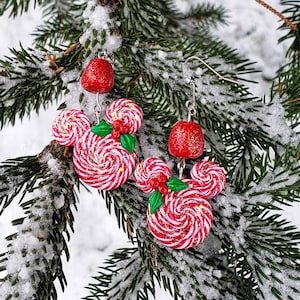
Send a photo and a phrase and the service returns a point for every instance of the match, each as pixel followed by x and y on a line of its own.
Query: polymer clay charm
pixel 104 156
pixel 179 213
pixel 102 162
pixel 69 126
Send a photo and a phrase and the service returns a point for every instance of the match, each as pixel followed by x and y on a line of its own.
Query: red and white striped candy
pixel 147 169
pixel 209 178
pixel 127 111
pixel 183 221
pixel 102 162
pixel 69 126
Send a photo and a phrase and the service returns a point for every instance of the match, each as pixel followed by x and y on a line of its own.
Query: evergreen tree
pixel 251 252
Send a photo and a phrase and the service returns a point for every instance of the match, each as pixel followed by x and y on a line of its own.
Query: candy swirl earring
pixel 179 213
pixel 99 158
pixel 104 156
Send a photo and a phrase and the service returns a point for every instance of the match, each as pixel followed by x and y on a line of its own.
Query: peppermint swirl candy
pixel 183 221
pixel 102 162
pixel 127 111
pixel 149 169
pixel 69 126
pixel 209 178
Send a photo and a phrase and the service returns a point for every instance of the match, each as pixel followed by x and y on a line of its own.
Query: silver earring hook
pixel 98 108
pixel 181 166
pixel 191 105
pixel 211 69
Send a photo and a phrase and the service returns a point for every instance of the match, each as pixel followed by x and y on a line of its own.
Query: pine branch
pixel 29 82
pixel 17 7
pixel 287 84
pixel 64 26
pixel 276 242
pixel 262 240
pixel 202 15
pixel 16 175
pixel 25 86
pixel 33 260
pixel 124 274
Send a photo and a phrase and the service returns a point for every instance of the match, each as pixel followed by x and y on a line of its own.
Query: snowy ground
pixel 251 29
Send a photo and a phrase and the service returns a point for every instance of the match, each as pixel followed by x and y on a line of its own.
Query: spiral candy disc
pixel 127 111
pixel 69 126
pixel 209 178
pixel 183 221
pixel 102 162
pixel 147 169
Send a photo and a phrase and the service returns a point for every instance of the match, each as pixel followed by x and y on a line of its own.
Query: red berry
pixel 186 140
pixel 154 182
pixel 98 76
pixel 162 177
pixel 115 134
pixel 124 129
pixel 117 124
pixel 163 189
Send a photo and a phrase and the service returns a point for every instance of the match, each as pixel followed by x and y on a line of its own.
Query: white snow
pixel 30 248
pixel 98 22
pixel 252 30
pixel 157 57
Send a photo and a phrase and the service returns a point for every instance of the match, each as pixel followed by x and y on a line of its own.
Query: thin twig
pixel 278 14
pixel 71 48
pixel 129 228
pixel 66 151
pixel 280 89
pixel 294 100
pixel 52 60
pixel 153 257
pixel 135 79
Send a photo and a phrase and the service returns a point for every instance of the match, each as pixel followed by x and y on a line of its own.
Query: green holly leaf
pixel 155 201
pixel 102 129
pixel 176 185
pixel 128 142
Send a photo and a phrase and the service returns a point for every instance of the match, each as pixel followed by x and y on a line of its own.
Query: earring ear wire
pixel 211 69
pixel 191 105
pixel 98 107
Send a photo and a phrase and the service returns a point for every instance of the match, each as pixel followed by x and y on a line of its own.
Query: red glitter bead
pixel 186 140
pixel 98 76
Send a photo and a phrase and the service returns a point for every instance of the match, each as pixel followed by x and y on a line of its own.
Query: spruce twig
pixel 278 14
